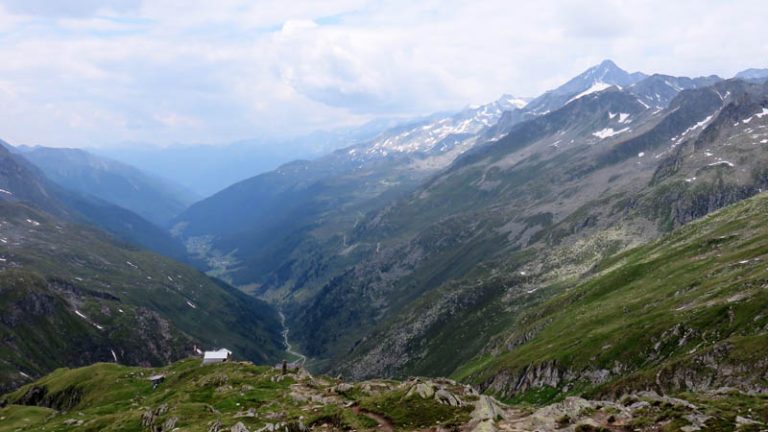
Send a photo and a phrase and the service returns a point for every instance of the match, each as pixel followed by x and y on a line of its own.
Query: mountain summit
pixel 596 78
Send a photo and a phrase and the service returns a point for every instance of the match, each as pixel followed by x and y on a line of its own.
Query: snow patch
pixel 6 192
pixel 759 115
pixel 608 132
pixel 33 222
pixel 722 162
pixel 596 87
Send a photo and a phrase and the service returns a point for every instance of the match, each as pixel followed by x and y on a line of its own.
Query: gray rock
pixel 423 390
pixel 239 427
pixel 170 423
pixel 746 421
pixel 215 427
pixel 445 397
pixel 148 418
pixel 343 388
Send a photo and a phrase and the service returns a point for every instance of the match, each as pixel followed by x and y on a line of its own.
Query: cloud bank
pixel 102 73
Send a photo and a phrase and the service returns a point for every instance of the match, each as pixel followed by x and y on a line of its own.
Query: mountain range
pixel 406 254
pixel 602 239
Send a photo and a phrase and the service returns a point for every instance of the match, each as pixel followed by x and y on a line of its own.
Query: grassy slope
pixel 111 397
pixel 52 269
pixel 659 308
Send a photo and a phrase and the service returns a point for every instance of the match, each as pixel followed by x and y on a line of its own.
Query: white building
pixel 217 356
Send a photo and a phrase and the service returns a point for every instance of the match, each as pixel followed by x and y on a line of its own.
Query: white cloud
pixel 91 72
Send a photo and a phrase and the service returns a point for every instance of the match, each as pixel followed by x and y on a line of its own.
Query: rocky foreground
pixel 240 397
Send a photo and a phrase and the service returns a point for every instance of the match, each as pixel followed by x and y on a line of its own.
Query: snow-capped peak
pixel 431 136
pixel 512 101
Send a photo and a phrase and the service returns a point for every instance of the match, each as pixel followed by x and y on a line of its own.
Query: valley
pixel 591 259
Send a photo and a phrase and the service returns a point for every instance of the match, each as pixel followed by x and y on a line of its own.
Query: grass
pixel 658 306
pixel 116 398
pixel 415 412
pixel 138 304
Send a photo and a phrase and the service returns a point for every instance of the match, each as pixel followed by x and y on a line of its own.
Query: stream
pixel 288 347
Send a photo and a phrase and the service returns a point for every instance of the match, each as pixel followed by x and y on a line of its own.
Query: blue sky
pixel 92 73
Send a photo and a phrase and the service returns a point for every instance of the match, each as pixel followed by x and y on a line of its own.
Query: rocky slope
pixel 259 229
pixel 70 295
pixel 684 313
pixel 383 280
pixel 241 397
pixel 518 220
pixel 267 234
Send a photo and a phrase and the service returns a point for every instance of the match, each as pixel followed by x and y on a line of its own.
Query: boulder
pixel 239 427
pixel 215 426
pixel 343 388
pixel 445 397
pixel 423 390
pixel 170 424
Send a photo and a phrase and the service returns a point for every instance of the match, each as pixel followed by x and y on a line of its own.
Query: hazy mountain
pixel 252 229
pixel 659 90
pixel 206 169
pixel 353 243
pixel 153 198
pixel 20 181
pixel 753 75
pixel 548 180
pixel 511 224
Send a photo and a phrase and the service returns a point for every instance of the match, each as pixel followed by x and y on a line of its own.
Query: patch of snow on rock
pixel 608 132
pixel 596 87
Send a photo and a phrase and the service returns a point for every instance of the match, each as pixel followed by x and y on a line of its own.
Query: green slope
pixel 71 295
pixel 109 397
pixel 686 312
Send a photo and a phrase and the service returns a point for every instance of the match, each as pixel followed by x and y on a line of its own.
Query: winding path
pixel 384 423
pixel 288 347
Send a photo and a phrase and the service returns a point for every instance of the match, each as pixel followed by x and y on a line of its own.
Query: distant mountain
pixel 753 75
pixel 207 169
pixel 410 253
pixel 153 198
pixel 594 79
pixel 513 222
pixel 658 90
pixel 250 230
pixel 71 296
pixel 21 181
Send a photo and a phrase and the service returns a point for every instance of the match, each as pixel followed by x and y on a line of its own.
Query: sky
pixel 90 73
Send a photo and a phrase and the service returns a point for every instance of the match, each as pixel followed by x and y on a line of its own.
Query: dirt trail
pixel 384 424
